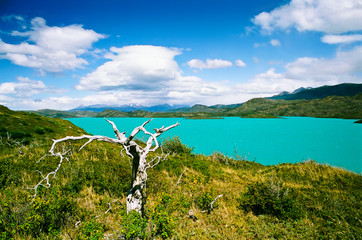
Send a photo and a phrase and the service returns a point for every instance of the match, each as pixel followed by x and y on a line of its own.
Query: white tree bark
pixel 136 193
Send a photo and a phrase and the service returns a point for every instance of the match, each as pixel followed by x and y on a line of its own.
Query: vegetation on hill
pixel 349 107
pixel 26 127
pixel 344 89
pixel 329 107
pixel 87 198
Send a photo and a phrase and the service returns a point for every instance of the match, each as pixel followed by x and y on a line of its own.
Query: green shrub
pixel 203 201
pixel 48 215
pixel 221 158
pixel 91 230
pixel 18 135
pixel 271 199
pixel 164 222
pixel 134 226
pixel 174 145
pixel 39 130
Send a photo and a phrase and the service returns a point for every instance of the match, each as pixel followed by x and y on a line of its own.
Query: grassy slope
pixel 33 126
pixel 329 107
pixel 307 200
pixel 344 89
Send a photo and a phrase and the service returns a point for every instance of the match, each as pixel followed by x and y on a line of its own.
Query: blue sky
pixel 62 54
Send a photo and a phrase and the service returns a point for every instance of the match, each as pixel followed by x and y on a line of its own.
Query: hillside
pixel 349 107
pixel 329 107
pixel 344 89
pixel 26 127
pixel 87 198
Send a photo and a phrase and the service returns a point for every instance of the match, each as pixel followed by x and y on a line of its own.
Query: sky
pixel 62 54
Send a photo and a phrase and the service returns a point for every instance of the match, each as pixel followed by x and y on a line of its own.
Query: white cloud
pixel 12 17
pixel 146 74
pixel 174 88
pixel 209 64
pixel 327 16
pixel 338 39
pixel 50 49
pixel 24 87
pixel 240 63
pixel 270 83
pixel 134 67
pixel 275 42
pixel 346 66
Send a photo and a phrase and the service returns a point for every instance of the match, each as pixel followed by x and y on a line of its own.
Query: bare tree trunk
pixel 136 194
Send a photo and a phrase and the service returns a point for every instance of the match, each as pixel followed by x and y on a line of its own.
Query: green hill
pixel 344 89
pixel 349 107
pixel 87 198
pixel 26 127
pixel 329 107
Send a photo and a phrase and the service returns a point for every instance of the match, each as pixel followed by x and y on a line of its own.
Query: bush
pixel 91 230
pixel 174 145
pixel 204 200
pixel 133 226
pixel 272 199
pixel 39 130
pixel 164 222
pixel 48 215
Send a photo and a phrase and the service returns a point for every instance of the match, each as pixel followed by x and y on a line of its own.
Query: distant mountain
pixel 127 108
pixel 197 108
pixel 344 89
pixel 162 108
pixel 329 107
pixel 339 101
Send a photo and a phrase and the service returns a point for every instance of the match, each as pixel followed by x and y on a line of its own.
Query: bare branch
pixel 136 194
pixel 77 224
pixel 89 137
pixel 214 201
pixel 119 135
pixel 211 204
pixel 109 208
pixel 158 159
pixel 137 130
pixel 158 133
pixel 179 179
pixel 45 182
pixel 163 129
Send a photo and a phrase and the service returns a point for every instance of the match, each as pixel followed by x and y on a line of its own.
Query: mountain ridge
pixel 127 107
pixel 340 102
pixel 344 89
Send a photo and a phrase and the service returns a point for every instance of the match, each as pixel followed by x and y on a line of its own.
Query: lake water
pixel 337 142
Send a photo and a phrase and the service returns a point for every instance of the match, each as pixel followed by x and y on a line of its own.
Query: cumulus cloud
pixel 50 49
pixel 342 39
pixel 24 87
pixel 148 75
pixel 175 88
pixel 327 16
pixel 240 63
pixel 209 64
pixel 134 67
pixel 346 66
pixel 275 42
pixel 270 83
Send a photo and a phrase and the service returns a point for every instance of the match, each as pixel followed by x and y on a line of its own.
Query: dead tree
pixel 138 154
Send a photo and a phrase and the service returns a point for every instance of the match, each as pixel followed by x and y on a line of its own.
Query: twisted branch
pixel 127 143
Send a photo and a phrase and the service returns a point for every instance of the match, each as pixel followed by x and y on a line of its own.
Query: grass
pixel 87 199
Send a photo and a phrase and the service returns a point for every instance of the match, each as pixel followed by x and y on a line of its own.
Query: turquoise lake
pixel 336 142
